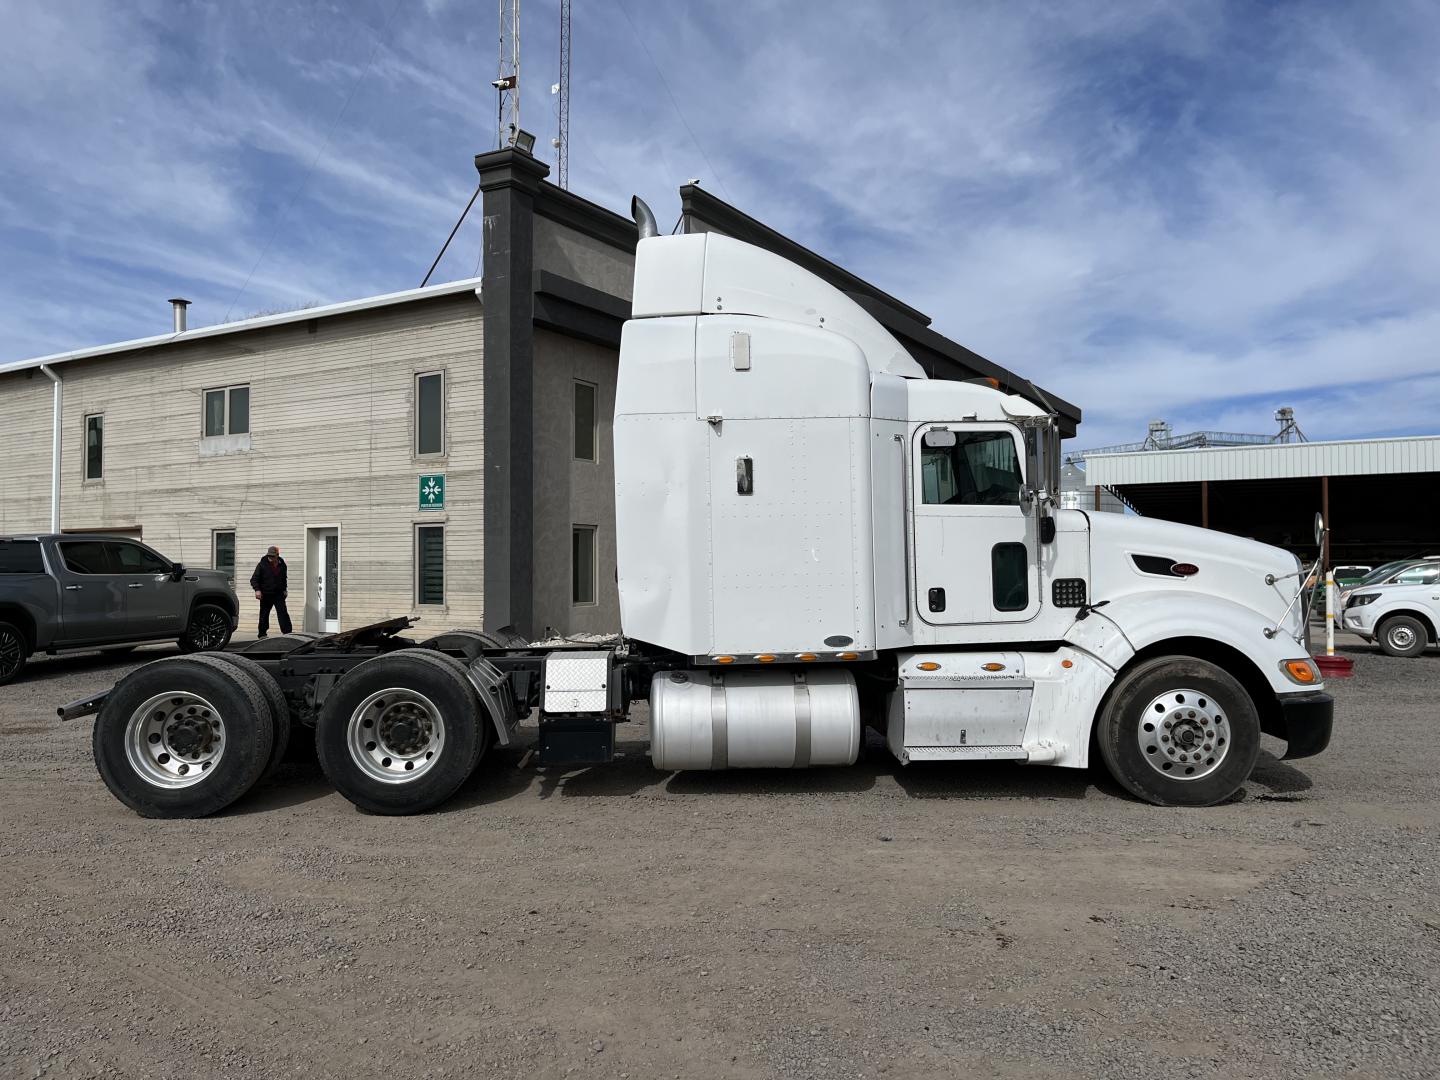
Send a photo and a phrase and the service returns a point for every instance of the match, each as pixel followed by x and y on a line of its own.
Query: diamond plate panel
pixel 577 682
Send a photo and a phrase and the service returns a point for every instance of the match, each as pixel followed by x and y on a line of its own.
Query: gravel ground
pixel 980 920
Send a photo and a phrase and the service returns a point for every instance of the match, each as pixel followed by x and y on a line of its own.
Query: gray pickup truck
pixel 70 592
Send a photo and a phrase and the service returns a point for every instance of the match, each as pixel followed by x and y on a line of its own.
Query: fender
pixel 1147 618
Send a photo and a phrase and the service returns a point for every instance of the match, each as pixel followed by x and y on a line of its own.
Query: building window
pixel 227 411
pixel 585 433
pixel 222 552
pixel 582 564
pixel 430 413
pixel 95 446
pixel 430 564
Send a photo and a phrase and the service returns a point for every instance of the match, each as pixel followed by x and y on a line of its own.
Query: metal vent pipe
pixel 177 306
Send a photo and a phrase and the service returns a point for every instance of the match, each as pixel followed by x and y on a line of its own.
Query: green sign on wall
pixel 432 491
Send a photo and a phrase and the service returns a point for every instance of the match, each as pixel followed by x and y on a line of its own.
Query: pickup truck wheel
pixel 274 697
pixel 183 737
pixel 1179 731
pixel 209 630
pixel 14 651
pixel 1402 635
pixel 400 733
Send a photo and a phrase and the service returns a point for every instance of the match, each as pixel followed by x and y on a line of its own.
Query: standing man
pixel 270 585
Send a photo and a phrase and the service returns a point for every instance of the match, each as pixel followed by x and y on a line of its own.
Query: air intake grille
pixel 1068 592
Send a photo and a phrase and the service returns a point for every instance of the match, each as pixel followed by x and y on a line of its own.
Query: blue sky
pixel 1199 211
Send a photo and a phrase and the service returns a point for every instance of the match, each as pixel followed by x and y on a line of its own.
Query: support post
pixel 1097 498
pixel 57 420
pixel 1329 612
pixel 1204 504
pixel 1325 515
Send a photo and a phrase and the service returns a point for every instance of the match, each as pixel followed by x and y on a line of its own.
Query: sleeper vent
pixel 1067 592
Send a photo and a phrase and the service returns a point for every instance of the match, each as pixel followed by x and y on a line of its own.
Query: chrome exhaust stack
pixel 644 218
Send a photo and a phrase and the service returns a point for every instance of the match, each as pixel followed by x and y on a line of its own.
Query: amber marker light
pixel 928 665
pixel 1301 671
pixel 992 666
pixel 805 656
pixel 765 658
pixel 849 656
pixel 1067 663
pixel 724 659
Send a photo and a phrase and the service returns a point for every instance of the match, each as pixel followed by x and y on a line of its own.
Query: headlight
pixel 1361 599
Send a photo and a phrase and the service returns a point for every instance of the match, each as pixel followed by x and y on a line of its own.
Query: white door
pixel 322 587
pixel 974 544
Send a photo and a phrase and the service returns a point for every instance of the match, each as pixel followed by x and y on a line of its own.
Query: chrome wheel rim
pixel 1184 735
pixel 208 631
pixel 175 740
pixel 396 736
pixel 1400 637
pixel 12 652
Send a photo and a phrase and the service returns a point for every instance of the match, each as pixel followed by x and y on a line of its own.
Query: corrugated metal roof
pixel 258 323
pixel 1348 457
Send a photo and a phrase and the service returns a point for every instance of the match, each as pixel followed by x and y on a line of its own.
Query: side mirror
pixel 177 571
pixel 1027 498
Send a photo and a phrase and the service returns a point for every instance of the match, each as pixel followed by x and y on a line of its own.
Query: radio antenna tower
pixel 507 86
pixel 562 137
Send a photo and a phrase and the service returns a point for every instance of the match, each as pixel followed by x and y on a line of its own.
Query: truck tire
pixel 274 697
pixel 401 732
pixel 183 737
pixel 1179 731
pixel 1402 635
pixel 14 652
pixel 209 629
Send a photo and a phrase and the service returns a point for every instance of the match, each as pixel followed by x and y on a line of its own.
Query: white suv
pixel 1402 615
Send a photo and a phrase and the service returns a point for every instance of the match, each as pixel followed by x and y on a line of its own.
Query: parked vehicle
pixel 1402 614
pixel 812 536
pixel 1382 575
pixel 70 592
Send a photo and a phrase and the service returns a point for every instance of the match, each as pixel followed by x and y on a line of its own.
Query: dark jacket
pixel 270 580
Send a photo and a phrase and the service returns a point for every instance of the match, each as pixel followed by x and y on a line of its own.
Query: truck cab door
pixel 92 596
pixel 975 545
pixel 155 602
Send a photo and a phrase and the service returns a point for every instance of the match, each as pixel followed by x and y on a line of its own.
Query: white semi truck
pixel 813 538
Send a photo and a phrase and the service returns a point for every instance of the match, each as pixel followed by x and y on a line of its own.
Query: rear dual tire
pixel 401 733
pixel 183 737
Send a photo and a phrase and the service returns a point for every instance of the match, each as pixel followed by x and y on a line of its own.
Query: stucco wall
pixel 570 492
pixel 572 254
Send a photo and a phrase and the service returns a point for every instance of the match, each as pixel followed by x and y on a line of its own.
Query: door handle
pixel 136 585
pixel 73 588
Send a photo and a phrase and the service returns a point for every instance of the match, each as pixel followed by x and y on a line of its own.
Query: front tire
pixel 1402 635
pixel 209 630
pixel 14 652
pixel 1179 731
pixel 400 733
pixel 183 737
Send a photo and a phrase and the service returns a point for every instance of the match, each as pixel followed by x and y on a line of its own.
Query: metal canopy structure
pixel 1378 495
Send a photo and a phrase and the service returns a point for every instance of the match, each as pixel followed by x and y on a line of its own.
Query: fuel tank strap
pixel 802 721
pixel 719 736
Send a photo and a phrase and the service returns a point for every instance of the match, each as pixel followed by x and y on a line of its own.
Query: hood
pixel 1228 566
pixel 209 577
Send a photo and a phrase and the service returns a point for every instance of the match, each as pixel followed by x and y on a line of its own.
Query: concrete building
pixel 1377 495
pixel 441 453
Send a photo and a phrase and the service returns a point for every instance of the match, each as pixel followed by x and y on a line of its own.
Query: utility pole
pixel 507 85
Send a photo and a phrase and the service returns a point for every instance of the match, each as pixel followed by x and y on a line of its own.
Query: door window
pixel 981 469
pixel 85 557
pixel 1419 575
pixel 20 557
pixel 133 559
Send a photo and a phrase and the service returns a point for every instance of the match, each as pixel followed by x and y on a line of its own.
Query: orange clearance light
pixel 765 658
pixel 1301 671
pixel 724 659
pixel 805 656
pixel 928 665
pixel 992 666
pixel 849 656
pixel 1067 663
